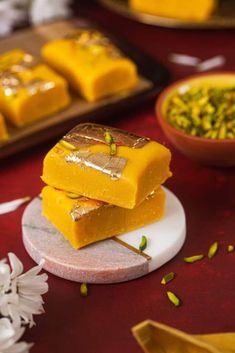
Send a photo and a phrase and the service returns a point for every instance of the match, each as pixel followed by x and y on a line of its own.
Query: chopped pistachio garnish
pixel 143 243
pixel 108 138
pixel 204 111
pixel 83 290
pixel 230 248
pixel 72 195
pixel 173 298
pixel 113 149
pixel 67 145
pixel 212 250
pixel 110 141
pixel 168 277
pixel 194 258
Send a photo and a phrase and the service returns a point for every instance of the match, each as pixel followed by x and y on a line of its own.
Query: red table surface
pixel 102 321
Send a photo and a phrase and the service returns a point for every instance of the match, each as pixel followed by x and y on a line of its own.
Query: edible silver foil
pixel 78 211
pixel 95 41
pixel 89 134
pixel 11 82
pixel 105 163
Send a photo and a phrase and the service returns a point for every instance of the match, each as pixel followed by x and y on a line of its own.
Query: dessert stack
pixel 102 181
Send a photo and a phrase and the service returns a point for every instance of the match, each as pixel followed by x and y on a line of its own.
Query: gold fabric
pixel 154 337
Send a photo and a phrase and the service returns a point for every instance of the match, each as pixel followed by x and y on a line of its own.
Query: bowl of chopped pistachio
pixel 197 115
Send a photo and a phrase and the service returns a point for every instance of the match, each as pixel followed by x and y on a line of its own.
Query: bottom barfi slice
pixel 83 221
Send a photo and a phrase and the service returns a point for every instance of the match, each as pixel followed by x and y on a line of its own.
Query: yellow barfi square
pixel 107 164
pixel 29 91
pixel 83 221
pixel 184 10
pixel 91 63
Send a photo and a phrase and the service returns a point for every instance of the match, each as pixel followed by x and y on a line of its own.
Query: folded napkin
pixel 155 337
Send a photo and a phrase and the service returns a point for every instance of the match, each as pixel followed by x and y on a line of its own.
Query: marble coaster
pixel 108 261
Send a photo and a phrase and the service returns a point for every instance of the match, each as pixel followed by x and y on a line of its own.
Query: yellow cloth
pixel 155 337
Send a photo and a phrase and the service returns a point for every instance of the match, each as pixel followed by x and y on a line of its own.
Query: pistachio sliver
pixel 168 277
pixel 213 250
pixel 143 243
pixel 113 149
pixel 83 290
pixel 194 258
pixel 108 138
pixel 67 145
pixel 72 195
pixel 173 298
pixel 230 248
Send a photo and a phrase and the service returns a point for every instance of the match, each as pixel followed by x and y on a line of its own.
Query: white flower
pixel 10 15
pixel 9 336
pixel 44 10
pixel 4 276
pixel 20 293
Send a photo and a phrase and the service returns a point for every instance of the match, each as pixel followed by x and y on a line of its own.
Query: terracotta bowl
pixel 217 152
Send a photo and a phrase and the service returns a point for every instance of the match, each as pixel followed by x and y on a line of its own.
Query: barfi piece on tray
pixel 3 129
pixel 29 91
pixel 83 221
pixel 193 10
pixel 91 63
pixel 107 164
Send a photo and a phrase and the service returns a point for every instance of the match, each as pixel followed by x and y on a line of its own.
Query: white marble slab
pixel 106 261
pixel 166 237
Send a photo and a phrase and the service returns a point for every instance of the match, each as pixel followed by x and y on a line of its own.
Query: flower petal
pixel 9 335
pixel 4 276
pixel 6 331
pixel 21 347
pixel 16 265
pixel 34 270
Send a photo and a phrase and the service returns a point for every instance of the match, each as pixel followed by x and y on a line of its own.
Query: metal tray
pixel 224 17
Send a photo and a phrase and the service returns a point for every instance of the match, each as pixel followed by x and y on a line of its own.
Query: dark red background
pixel 101 322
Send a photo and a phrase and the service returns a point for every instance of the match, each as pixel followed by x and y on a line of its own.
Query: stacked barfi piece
pixel 102 181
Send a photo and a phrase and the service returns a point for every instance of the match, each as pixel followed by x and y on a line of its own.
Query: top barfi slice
pixel 107 164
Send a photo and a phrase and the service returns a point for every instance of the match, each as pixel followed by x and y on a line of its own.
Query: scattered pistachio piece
pixel 173 298
pixel 83 290
pixel 212 250
pixel 67 145
pixel 72 195
pixel 168 277
pixel 143 243
pixel 194 258
pixel 108 138
pixel 113 149
pixel 230 248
